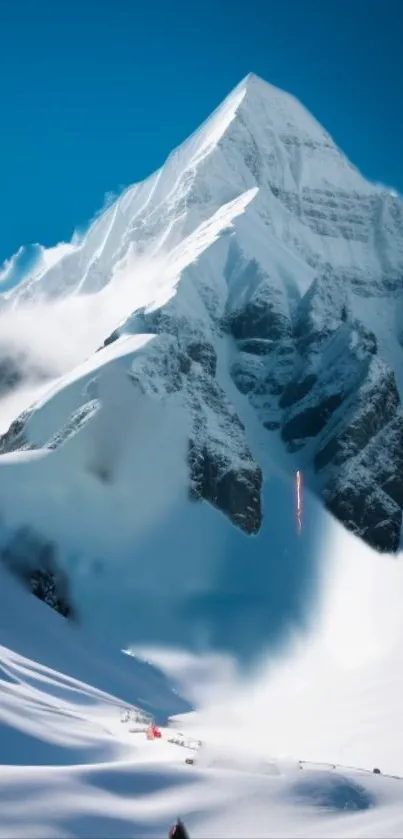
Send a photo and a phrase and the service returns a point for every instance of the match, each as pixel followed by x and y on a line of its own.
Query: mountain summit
pixel 245 304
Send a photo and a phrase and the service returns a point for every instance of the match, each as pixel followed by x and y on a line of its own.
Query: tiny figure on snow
pixel 178 831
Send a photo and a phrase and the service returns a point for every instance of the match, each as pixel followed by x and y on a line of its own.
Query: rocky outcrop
pixel 320 312
pixel 364 508
pixel 222 469
pixel 258 319
pixel 34 560
pixel 14 438
pixel 367 492
pixel 384 456
pixel 257 306
pixel 367 411
pixel 327 386
pixel 247 371
pixel 235 492
pixel 322 385
pixel 45 586
pixel 204 354
pixel 183 359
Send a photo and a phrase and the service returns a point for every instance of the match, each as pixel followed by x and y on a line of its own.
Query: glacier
pixel 233 318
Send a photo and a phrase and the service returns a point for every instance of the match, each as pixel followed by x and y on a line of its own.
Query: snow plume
pixel 57 335
pixel 387 188
pixel 343 679
pixel 45 339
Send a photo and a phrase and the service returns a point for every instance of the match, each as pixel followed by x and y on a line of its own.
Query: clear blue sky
pixel 95 93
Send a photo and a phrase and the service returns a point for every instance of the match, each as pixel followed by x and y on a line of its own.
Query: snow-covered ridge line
pixel 244 302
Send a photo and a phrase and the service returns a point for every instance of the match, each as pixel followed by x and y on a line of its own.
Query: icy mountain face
pixel 256 256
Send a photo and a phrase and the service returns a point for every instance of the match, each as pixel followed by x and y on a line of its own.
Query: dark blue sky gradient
pixel 94 94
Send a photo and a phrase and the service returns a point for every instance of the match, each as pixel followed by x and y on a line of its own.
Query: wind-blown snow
pixel 333 696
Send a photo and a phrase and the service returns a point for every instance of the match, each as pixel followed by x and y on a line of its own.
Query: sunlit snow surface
pixel 71 768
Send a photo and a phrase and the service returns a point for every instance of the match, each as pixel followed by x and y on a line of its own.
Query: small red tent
pixel 153 733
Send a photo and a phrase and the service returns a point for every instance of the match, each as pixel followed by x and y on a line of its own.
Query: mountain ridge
pixel 256 257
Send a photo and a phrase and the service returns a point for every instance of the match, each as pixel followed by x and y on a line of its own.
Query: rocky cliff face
pixel 321 381
pixel 183 359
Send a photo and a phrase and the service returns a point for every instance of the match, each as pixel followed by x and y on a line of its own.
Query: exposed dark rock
pixel 14 439
pixel 184 363
pixel 167 321
pixel 272 383
pixel 43 585
pixel 247 371
pixel 204 353
pixel 296 390
pixel 257 306
pixel 323 380
pixel 373 408
pixel 244 379
pixel 311 420
pixel 259 319
pixel 275 374
pixel 367 339
pixel 162 368
pixel 34 560
pixel 257 346
pixel 345 372
pixel 320 311
pixel 236 492
pixel 285 349
pixel 365 509
pixel 110 339
pixel 222 469
pixel 383 457
pixel 271 425
pixel 76 421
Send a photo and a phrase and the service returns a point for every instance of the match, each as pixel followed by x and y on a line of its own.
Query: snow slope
pixel 71 768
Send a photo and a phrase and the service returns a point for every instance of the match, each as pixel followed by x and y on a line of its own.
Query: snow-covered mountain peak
pixel 282 108
pixel 245 300
pixel 259 137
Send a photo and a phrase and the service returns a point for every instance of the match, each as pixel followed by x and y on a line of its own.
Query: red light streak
pixel 298 489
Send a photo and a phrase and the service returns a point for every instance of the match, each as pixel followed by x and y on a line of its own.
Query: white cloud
pixel 53 337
